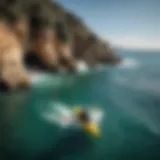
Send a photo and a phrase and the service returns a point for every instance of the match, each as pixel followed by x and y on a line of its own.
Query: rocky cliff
pixel 47 36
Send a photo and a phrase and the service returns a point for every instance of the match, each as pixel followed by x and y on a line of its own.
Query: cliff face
pixel 87 45
pixel 70 28
pixel 50 37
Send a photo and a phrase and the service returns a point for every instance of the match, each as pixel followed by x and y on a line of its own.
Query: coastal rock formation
pixel 41 34
pixel 13 72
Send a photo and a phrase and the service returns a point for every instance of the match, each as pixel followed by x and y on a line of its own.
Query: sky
pixel 124 23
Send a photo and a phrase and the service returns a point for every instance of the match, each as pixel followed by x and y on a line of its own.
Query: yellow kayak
pixel 90 127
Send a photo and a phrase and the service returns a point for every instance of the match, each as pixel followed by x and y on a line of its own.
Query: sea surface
pixel 128 94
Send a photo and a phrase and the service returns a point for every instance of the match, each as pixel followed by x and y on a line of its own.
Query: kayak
pixel 66 117
pixel 90 127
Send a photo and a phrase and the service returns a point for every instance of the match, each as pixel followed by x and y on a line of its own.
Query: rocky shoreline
pixel 42 34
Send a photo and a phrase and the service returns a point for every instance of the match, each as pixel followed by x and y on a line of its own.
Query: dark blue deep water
pixel 129 94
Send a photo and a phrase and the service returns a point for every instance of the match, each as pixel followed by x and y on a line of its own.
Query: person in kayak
pixel 83 118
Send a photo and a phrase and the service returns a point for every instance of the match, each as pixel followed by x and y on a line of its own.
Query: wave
pixel 82 67
pixel 41 80
pixel 62 115
pixel 129 63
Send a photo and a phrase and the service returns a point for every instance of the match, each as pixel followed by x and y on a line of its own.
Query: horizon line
pixel 134 42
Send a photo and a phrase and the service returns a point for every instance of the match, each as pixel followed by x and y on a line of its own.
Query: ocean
pixel 128 94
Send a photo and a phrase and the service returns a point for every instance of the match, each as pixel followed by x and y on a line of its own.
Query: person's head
pixel 83 116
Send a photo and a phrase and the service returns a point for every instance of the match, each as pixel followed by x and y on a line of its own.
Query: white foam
pixel 43 80
pixel 62 115
pixel 59 114
pixel 129 63
pixel 37 76
pixel 96 115
pixel 82 67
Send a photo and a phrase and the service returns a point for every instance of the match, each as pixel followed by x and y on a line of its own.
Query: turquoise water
pixel 129 94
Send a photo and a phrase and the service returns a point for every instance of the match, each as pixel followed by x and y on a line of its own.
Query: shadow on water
pixel 73 142
pixel 10 106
